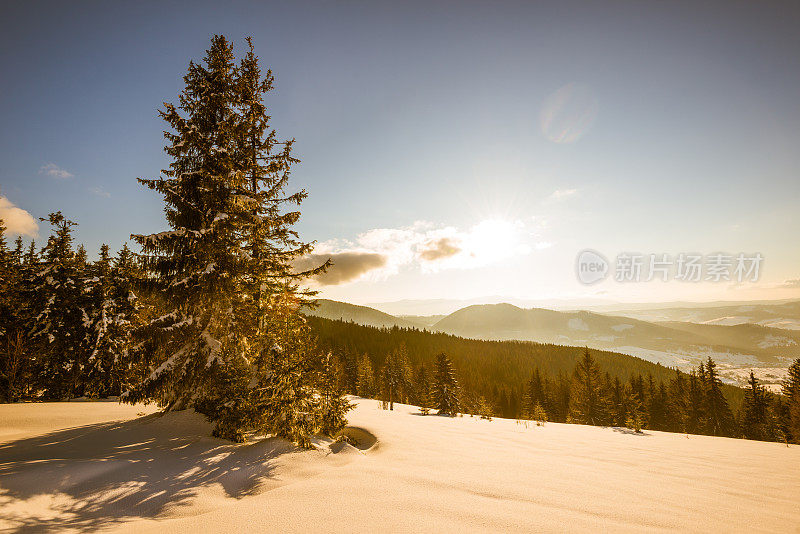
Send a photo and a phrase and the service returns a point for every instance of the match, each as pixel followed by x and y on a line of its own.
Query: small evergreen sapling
pixel 333 404
pixel 484 408
pixel 539 415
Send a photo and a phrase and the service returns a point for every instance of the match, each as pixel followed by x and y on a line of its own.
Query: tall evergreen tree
pixel 719 419
pixel 657 407
pixel 395 377
pixel 586 402
pixel 677 405
pixel 445 387
pixel 60 323
pixel 635 418
pixel 17 354
pixel 422 388
pixel 695 409
pixel 535 393
pixel 791 390
pixel 112 314
pixel 366 377
pixel 229 339
pixel 13 364
pixel 618 403
pixel 757 422
pixel 7 270
pixel 348 365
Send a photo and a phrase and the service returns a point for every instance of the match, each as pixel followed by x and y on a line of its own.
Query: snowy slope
pixel 425 473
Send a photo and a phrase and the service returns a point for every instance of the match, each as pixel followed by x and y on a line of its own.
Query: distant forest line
pixel 528 380
pixel 486 366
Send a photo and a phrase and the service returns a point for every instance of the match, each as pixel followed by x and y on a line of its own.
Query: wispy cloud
pixel 17 220
pixel 99 191
pixel 53 170
pixel 568 113
pixel 790 284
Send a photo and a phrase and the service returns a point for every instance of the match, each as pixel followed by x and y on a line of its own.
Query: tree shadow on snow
pixel 629 431
pixel 125 470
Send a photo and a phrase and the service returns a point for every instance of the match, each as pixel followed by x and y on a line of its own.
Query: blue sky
pixel 674 129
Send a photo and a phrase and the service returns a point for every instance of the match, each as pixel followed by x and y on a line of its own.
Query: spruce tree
pixel 196 265
pixel 112 315
pixel 562 392
pixel 395 377
pixel 13 363
pixel 677 405
pixel 719 419
pixel 366 377
pixel 59 307
pixel 483 408
pixel 695 404
pixel 348 365
pixel 422 389
pixel 229 338
pixel 539 414
pixel 445 387
pixel 635 416
pixel 618 403
pixel 534 394
pixel 6 277
pixel 468 402
pixel 791 390
pixel 17 354
pixel 332 404
pixel 756 421
pixel 586 402
pixel 657 407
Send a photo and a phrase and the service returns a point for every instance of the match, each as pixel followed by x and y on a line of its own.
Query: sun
pixel 495 239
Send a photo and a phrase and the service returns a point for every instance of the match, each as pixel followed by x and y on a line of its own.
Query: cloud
pixel 99 191
pixel 17 220
pixel 790 284
pixel 568 113
pixel 51 169
pixel 439 249
pixel 347 266
pixel 383 252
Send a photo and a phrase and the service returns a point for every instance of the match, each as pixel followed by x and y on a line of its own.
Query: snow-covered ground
pixel 88 466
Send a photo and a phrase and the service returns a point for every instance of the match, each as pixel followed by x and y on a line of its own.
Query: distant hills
pixel 667 338
pixel 670 343
pixel 363 315
pixel 496 369
pixel 785 315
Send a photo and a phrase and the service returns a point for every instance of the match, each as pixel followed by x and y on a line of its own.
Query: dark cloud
pixel 346 266
pixel 439 249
